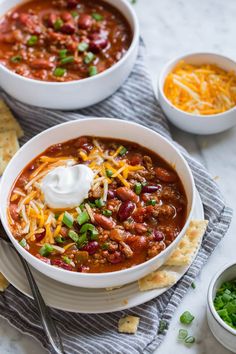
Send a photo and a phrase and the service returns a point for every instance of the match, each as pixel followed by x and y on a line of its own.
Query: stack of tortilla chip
pixel 10 131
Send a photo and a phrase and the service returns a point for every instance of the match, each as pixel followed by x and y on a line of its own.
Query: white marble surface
pixel 171 28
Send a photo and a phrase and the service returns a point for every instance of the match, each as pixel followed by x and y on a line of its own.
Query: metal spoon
pixel 44 311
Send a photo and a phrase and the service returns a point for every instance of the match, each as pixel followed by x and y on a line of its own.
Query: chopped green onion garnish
pixel 82 241
pixel 89 58
pixel 23 242
pixel 99 203
pixel 97 16
pixel 107 212
pixel 93 70
pixel 66 259
pixel 62 53
pixel 183 333
pixel 138 188
pixel 105 246
pixel 57 24
pixel 59 72
pixel 190 340
pixel 82 207
pixel 162 326
pixel 74 14
pixel 193 285
pixel 32 40
pixel 67 60
pixel 91 229
pixel 68 219
pixel 83 46
pixel 73 235
pixel 152 202
pixel 186 318
pixel 91 204
pixel 46 249
pixel 16 59
pixel 83 217
pixel 122 151
pixel 109 173
pixel 225 302
pixel 59 239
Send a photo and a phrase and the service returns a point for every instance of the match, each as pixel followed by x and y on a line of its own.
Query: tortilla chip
pixel 7 120
pixel 189 244
pixel 3 283
pixel 158 279
pixel 128 324
pixel 8 147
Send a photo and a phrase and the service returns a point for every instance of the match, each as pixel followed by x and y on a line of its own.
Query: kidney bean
pixel 164 175
pixel 68 28
pixel 150 189
pixel 71 4
pixel 125 193
pixel 158 235
pixel 103 221
pixel 41 64
pixel 51 19
pixel 85 21
pixel 97 45
pixel 137 243
pixel 66 16
pixel 59 263
pixel 111 194
pixel 91 247
pixel 115 257
pixel 125 210
pixel 13 211
pixel 40 237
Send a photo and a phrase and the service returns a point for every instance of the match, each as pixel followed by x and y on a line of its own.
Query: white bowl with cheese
pixel 101 127
pixel 195 123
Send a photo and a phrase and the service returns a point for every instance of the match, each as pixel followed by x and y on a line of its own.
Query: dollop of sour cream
pixel 67 187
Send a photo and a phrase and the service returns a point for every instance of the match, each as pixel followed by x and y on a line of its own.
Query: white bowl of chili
pixel 196 122
pixel 222 331
pixel 112 129
pixel 69 78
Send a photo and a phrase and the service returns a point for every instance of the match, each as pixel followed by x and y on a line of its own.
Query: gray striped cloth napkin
pixel 97 334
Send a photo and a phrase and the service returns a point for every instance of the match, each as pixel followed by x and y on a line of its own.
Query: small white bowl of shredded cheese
pixel 197 92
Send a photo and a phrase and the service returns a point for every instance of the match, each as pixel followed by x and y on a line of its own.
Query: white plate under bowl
pixel 82 300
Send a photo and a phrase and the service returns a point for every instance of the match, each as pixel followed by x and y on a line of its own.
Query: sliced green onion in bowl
pixel 99 203
pixel 23 243
pixel 58 24
pixel 107 212
pixel 16 59
pixel 138 188
pixel 68 219
pixel 89 58
pixel 93 70
pixel 46 250
pixel 32 41
pixel 59 72
pixel 66 259
pixel 67 60
pixel 83 218
pixel 73 235
pixel 62 53
pixel 123 151
pixel 83 46
pixel 96 16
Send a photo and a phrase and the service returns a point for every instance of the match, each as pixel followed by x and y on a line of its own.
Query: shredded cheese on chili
pixel 204 89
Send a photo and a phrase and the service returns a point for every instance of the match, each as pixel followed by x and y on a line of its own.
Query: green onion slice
pixel 122 151
pixel 16 59
pixel 89 58
pixel 60 239
pixel 67 60
pixel 83 46
pixel 32 40
pixel 23 242
pixel 189 340
pixel 138 188
pixel 68 219
pixel 62 53
pixel 59 72
pixel 97 16
pixel 66 259
pixel 46 250
pixel 109 173
pixel 73 235
pixel 107 212
pixel 82 241
pixel 91 229
pixel 152 202
pixel 93 70
pixel 183 333
pixel 83 218
pixel 186 318
pixel 58 23
pixel 99 203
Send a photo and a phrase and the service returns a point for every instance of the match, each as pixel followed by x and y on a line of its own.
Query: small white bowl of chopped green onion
pixel 221 308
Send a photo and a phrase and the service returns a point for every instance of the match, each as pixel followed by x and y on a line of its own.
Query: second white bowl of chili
pixel 68 55
pixel 168 171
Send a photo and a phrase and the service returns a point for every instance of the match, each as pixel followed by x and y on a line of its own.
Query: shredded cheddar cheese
pixel 204 89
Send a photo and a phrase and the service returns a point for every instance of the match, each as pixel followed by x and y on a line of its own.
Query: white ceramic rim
pixel 131 269
pixel 165 71
pixel 106 72
pixel 210 299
